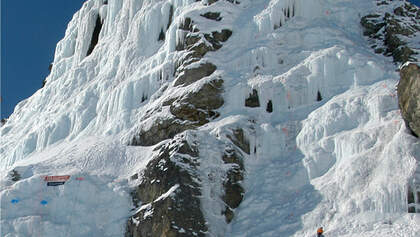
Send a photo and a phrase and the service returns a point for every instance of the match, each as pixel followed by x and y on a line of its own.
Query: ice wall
pixel 103 92
pixel 343 160
pixel 277 13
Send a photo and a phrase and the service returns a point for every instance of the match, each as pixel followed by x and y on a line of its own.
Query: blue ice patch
pixel 14 201
pixel 43 202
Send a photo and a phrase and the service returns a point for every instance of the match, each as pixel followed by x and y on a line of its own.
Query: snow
pixel 94 201
pixel 343 163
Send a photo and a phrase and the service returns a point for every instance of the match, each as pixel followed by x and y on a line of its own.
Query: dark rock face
pixel 234 192
pixel 387 31
pixel 409 97
pixel 195 108
pixel 169 194
pixel 212 16
pixel 168 200
pixel 253 100
pixel 3 121
pixel 190 111
pixel 240 140
pixel 15 176
pixel 199 106
pixel 162 129
pixel 215 38
pixel 189 76
pixel 197 44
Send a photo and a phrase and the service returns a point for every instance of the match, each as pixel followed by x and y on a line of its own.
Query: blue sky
pixel 417 2
pixel 30 31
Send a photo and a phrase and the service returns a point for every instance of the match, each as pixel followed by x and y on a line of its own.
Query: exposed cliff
pixel 409 96
pixel 390 29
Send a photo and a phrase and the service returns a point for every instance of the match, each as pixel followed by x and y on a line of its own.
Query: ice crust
pixel 343 163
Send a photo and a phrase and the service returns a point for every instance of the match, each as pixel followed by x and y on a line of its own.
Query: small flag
pixel 14 201
pixel 43 202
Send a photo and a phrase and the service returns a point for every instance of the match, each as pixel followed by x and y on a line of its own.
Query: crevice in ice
pixel 269 108
pixel 143 98
pixel 161 35
pixel 318 96
pixel 413 198
pixel 171 16
pixel 95 35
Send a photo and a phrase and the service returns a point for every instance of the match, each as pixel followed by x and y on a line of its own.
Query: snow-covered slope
pixel 328 146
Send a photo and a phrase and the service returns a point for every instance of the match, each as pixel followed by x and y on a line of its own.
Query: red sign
pixel 56 178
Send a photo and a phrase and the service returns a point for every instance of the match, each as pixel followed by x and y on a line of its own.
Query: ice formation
pixel 343 162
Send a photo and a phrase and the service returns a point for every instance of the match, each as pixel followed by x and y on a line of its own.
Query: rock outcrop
pixel 168 198
pixel 191 75
pixel 190 110
pixel 252 100
pixel 199 106
pixel 169 195
pixel 14 176
pixel 3 121
pixel 163 128
pixel 387 30
pixel 409 97
pixel 233 189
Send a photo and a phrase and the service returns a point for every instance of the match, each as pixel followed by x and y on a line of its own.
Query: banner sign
pixel 61 178
pixel 55 183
